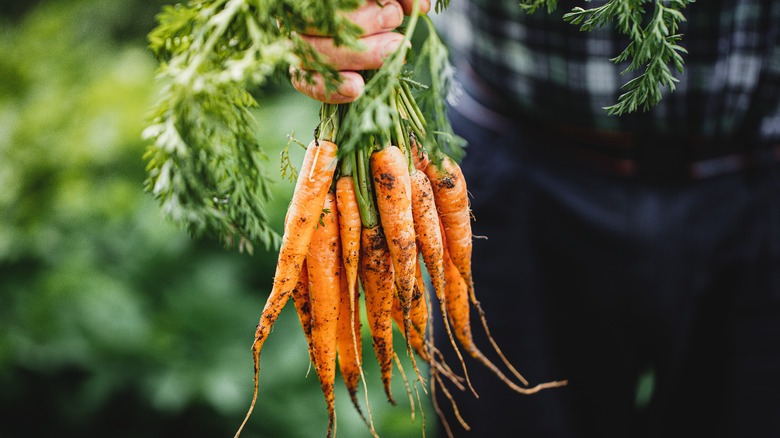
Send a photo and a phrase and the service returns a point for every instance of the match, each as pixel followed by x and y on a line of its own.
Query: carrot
pixel 416 337
pixel 324 266
pixel 348 345
pixel 311 188
pixel 430 244
pixel 451 195
pixel 419 316
pixel 349 227
pixel 419 156
pixel 457 301
pixel 300 296
pixel 452 203
pixel 419 311
pixel 376 275
pixel 392 184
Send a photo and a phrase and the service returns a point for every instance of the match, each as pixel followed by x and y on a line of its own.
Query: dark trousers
pixel 659 301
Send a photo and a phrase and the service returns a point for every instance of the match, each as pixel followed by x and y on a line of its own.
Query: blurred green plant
pixel 112 321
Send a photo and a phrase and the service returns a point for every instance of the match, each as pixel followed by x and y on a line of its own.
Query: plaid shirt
pixel 549 69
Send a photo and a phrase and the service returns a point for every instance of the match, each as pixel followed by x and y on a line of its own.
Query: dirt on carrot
pixel 376 275
pixel 324 269
pixel 392 184
pixel 319 165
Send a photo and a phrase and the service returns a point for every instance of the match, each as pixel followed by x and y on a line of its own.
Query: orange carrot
pixel 300 296
pixel 348 345
pixel 350 226
pixel 451 195
pixel 419 156
pixel 376 275
pixel 324 266
pixel 392 185
pixel 416 338
pixel 417 333
pixel 419 311
pixel 313 182
pixel 430 244
pixel 452 203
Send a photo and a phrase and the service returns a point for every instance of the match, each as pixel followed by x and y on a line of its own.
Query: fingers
pixel 349 89
pixel 377 18
pixel 373 17
pixel 347 62
pixel 376 48
pixel 407 5
pixel 380 15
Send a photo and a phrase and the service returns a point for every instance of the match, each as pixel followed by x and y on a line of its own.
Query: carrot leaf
pixel 653 47
pixel 286 167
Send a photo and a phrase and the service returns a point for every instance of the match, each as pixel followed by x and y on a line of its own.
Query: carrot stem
pixel 363 190
pixel 400 123
pixel 397 134
pixel 330 118
pixel 410 105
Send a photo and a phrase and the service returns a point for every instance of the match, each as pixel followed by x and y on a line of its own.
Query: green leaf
pixel 652 46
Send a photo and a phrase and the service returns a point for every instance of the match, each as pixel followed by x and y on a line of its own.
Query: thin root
pixel 490 337
pixel 422 411
pixel 454 405
pixel 542 386
pixel 455 346
pixel 406 382
pixel 443 307
pixel 370 422
pixel 254 396
pixel 436 407
pixel 445 370
pixel 407 334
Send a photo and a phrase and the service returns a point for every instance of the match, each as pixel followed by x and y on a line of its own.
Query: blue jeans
pixel 658 300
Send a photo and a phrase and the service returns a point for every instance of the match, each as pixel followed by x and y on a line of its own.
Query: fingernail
pixel 391 16
pixel 349 91
pixel 341 98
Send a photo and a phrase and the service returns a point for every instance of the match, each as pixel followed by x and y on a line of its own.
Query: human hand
pixel 378 19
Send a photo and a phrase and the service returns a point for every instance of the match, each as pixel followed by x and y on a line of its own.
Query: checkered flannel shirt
pixel 544 67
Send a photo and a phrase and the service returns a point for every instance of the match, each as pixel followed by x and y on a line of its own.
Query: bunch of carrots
pixel 377 200
pixel 373 219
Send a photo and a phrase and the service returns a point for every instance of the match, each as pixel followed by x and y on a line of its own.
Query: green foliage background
pixel 112 321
